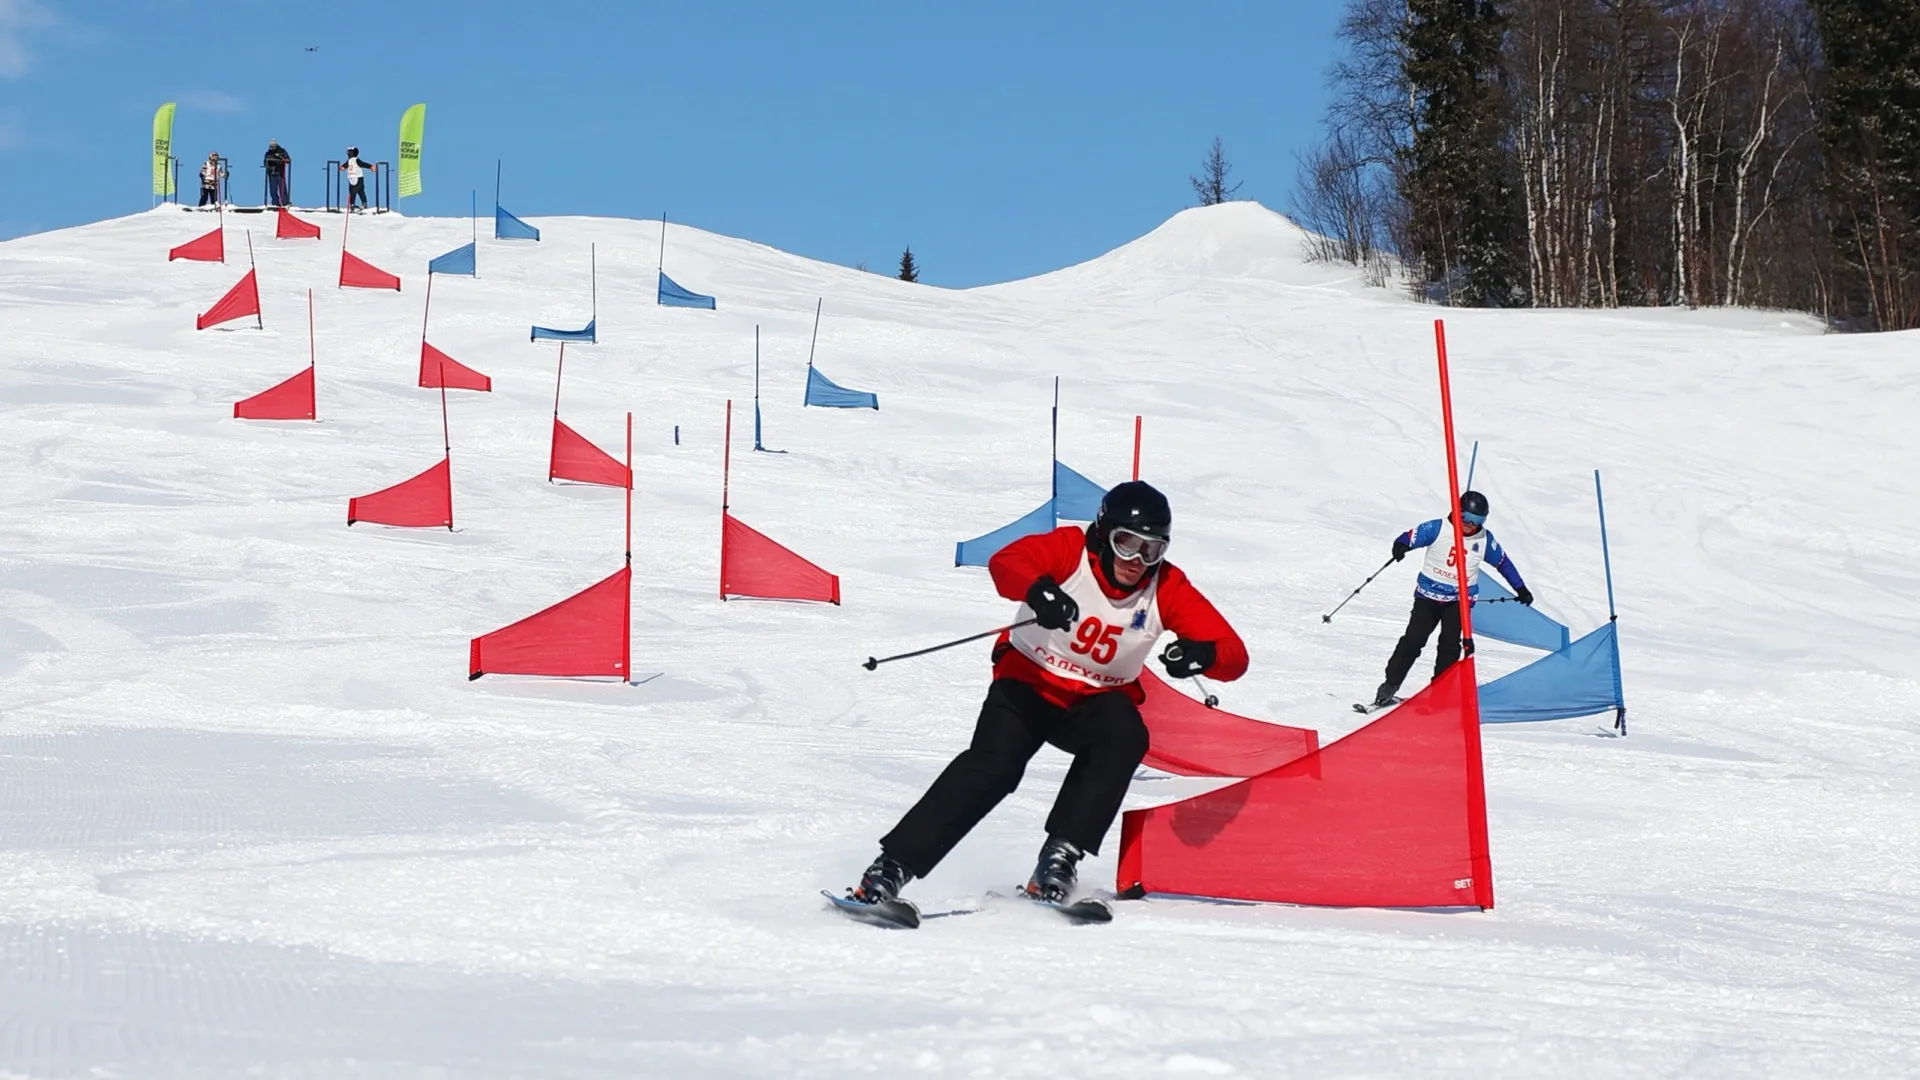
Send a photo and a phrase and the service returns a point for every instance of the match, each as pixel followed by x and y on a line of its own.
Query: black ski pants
pixel 1427 614
pixel 209 196
pixel 357 194
pixel 1103 732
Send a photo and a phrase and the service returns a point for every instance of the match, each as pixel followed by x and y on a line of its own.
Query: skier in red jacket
pixel 1098 599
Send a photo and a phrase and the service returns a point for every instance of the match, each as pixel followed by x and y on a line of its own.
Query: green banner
pixel 413 128
pixel 163 150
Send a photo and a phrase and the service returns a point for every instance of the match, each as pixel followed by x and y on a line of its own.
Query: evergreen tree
pixel 909 270
pixel 1459 181
pixel 1870 131
pixel 1211 184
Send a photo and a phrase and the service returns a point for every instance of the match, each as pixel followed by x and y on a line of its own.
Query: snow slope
pixel 254 819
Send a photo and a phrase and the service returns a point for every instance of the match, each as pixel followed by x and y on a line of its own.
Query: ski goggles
pixel 1131 545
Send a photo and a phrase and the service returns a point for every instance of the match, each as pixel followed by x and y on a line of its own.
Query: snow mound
pixel 1231 243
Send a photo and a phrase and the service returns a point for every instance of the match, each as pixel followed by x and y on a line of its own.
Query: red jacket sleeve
pixel 1055 554
pixel 1192 616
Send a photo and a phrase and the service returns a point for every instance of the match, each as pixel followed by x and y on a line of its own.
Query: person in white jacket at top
pixel 356 171
pixel 210 180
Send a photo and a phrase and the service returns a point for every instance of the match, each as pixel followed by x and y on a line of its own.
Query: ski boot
pixel 1054 875
pixel 1384 696
pixel 882 882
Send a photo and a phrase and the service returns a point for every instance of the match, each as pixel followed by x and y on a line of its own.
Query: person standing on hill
pixel 1094 601
pixel 277 162
pixel 356 171
pixel 210 180
pixel 1436 595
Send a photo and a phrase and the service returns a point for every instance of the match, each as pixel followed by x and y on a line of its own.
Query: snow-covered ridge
pixel 241 768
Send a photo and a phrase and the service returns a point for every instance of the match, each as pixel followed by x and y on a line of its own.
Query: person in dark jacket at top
pixel 356 171
pixel 277 163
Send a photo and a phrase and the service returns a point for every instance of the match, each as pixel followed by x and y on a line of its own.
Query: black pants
pixel 276 189
pixel 357 193
pixel 208 196
pixel 1104 733
pixel 1426 615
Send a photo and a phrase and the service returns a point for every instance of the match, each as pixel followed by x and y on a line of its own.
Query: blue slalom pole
pixel 1613 616
pixel 1606 556
pixel 1053 463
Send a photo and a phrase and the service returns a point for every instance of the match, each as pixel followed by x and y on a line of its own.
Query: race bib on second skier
pixel 1109 644
pixel 1439 564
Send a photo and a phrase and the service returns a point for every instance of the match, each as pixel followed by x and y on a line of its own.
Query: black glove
pixel 1185 659
pixel 1524 595
pixel 1052 608
pixel 1400 550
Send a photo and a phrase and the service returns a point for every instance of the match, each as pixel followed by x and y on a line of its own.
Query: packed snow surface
pixel 255 820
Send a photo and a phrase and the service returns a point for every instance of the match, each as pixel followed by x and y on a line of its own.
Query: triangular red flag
pixel 289 400
pixel 209 248
pixel 753 565
pixel 292 228
pixel 574 458
pixel 459 376
pixel 422 502
pixel 241 300
pixel 1393 815
pixel 358 273
pixel 588 633
pixel 1189 739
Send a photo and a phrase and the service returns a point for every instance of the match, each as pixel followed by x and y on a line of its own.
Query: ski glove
pixel 1400 550
pixel 1524 595
pixel 1185 659
pixel 1052 608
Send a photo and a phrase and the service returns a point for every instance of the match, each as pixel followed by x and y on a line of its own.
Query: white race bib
pixel 1439 564
pixel 1110 643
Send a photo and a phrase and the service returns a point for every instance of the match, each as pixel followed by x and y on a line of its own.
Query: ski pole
pixel 873 663
pixel 1328 617
pixel 1212 700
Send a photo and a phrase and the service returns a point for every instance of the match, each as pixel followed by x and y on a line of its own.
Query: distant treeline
pixel 1604 153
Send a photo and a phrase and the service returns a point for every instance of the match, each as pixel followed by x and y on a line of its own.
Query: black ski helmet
pixel 1473 507
pixel 1135 505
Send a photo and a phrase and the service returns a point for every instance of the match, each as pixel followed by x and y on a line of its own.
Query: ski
pixel 1364 708
pixel 893 914
pixel 1088 909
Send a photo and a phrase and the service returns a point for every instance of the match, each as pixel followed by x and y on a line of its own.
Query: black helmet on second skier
pixel 1134 522
pixel 1473 508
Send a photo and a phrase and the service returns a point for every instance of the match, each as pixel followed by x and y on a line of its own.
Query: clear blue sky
pixel 998 139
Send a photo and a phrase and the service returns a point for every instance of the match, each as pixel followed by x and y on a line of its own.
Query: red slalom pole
pixel 1136 448
pixel 629 489
pixel 1479 847
pixel 259 322
pixel 446 441
pixel 626 634
pixel 726 474
pixel 1453 485
pixel 311 363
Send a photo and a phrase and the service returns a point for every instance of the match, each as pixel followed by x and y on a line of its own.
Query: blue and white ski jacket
pixel 1437 579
